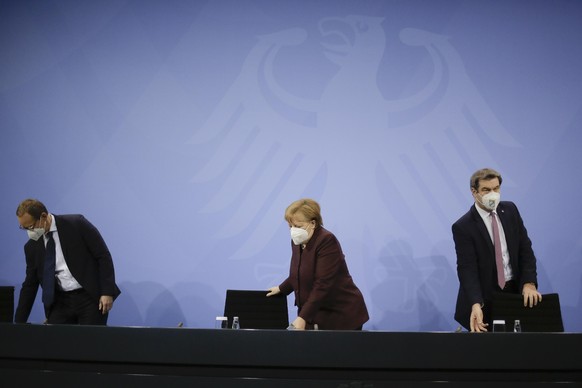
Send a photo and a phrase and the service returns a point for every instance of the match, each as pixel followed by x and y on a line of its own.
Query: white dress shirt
pixel 487 219
pixel 65 278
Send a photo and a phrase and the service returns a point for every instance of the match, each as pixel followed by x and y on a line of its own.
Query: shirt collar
pixel 53 227
pixel 485 214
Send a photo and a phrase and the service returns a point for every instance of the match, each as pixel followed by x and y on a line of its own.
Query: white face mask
pixel 298 235
pixel 490 200
pixel 35 234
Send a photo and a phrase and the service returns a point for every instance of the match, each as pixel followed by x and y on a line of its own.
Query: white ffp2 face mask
pixel 298 235
pixel 491 200
pixel 35 234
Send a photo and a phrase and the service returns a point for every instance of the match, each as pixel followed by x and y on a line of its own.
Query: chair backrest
pixel 6 303
pixel 255 310
pixel 545 317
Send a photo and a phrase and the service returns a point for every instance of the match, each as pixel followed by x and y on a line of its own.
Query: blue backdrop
pixel 182 130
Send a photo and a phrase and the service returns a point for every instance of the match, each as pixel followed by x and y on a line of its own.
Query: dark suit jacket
pixel 86 255
pixel 325 293
pixel 476 257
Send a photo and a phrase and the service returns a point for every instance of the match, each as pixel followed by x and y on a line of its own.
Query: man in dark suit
pixel 489 236
pixel 67 256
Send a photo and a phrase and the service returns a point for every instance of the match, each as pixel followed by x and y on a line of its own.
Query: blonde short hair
pixel 308 208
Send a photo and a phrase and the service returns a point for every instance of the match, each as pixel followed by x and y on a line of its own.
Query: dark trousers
pixel 75 308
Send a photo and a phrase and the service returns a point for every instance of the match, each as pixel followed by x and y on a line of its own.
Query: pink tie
pixel 498 255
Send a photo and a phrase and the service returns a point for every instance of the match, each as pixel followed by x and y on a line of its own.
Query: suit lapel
pixel 502 218
pixel 506 221
pixel 478 220
pixel 62 231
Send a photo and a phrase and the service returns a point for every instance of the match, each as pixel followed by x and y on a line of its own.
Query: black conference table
pixel 67 355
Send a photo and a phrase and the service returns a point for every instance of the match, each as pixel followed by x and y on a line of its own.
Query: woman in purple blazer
pixel 325 293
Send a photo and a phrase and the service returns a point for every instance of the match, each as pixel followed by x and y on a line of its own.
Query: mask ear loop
pixel 478 197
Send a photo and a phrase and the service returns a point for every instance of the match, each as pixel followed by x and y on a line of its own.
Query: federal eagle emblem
pixel 350 145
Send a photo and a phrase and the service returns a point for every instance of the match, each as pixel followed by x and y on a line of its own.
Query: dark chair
pixel 545 317
pixel 255 310
pixel 6 304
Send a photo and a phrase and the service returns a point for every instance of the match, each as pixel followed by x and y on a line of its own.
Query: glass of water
pixel 221 323
pixel 499 326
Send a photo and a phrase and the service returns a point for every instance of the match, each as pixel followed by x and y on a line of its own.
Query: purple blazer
pixel 325 293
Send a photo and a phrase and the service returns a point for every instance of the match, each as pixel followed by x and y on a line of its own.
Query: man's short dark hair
pixel 484 174
pixel 31 206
